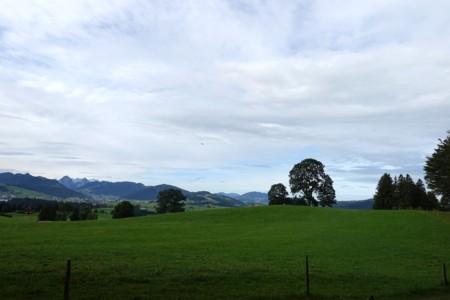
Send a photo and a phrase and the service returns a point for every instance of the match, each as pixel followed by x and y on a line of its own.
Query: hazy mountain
pixel 248 198
pixel 39 184
pixel 202 198
pixel 112 189
pixel 73 183
pixel 230 195
pixel 149 192
pixel 21 185
pixel 357 204
pixel 254 197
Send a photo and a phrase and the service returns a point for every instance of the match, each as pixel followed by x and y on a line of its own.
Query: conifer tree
pixel 384 196
pixel 437 171
pixel 419 198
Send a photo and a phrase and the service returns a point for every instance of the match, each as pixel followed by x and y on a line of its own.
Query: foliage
pixel 437 171
pixel 171 200
pixel 384 196
pixel 278 194
pixel 308 180
pixel 123 209
pixel 327 194
pixel 48 213
pixel 403 193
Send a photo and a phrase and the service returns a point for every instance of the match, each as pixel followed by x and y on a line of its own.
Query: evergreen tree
pixel 432 200
pixel 419 196
pixel 277 194
pixel 384 196
pixel 406 187
pixel 437 171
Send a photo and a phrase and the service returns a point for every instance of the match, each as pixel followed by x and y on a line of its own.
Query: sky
pixel 223 95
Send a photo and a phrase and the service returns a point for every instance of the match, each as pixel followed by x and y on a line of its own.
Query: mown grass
pixel 240 253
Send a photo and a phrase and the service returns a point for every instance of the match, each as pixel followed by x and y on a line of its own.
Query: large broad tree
pixel 278 194
pixel 327 194
pixel 384 196
pixel 437 171
pixel 308 181
pixel 171 200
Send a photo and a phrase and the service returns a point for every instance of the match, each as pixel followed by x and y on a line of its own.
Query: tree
pixel 306 180
pixel 437 171
pixel 432 200
pixel 47 213
pixel 384 196
pixel 171 200
pixel 406 187
pixel 123 209
pixel 278 194
pixel 327 194
pixel 419 197
pixel 76 215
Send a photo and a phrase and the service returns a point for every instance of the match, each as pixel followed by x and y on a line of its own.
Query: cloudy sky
pixel 223 95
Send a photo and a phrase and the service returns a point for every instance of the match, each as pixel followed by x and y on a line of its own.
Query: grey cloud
pixel 171 91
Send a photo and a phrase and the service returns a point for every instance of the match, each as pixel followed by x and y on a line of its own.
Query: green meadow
pixel 237 253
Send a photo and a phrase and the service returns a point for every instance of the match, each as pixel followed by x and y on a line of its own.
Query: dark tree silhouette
pixel 307 180
pixel 437 171
pixel 278 194
pixel 171 200
pixel 47 213
pixel 419 196
pixel 327 194
pixel 384 196
pixel 405 187
pixel 123 209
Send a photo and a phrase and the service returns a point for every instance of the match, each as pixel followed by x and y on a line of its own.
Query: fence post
pixel 307 275
pixel 67 280
pixel 444 275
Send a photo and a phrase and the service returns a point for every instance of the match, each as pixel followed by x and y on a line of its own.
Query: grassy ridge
pixel 240 253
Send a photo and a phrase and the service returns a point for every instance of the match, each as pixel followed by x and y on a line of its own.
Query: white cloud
pixel 204 94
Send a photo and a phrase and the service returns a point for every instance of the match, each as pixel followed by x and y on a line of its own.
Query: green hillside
pixel 238 253
pixel 7 191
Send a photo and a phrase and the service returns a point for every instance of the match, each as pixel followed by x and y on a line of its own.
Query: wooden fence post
pixel 444 275
pixel 67 280
pixel 307 275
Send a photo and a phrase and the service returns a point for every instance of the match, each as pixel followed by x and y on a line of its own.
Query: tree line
pixel 309 185
pixel 168 201
pixel 50 210
pixel 402 192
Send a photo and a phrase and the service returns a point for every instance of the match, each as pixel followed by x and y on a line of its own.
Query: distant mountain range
pixel 357 204
pixel 41 185
pixel 26 185
pixel 248 198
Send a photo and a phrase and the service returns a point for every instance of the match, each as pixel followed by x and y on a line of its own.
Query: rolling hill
pixel 238 253
pixel 138 191
pixel 248 198
pixel 39 184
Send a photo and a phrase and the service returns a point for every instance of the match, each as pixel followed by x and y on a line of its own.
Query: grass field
pixel 239 253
